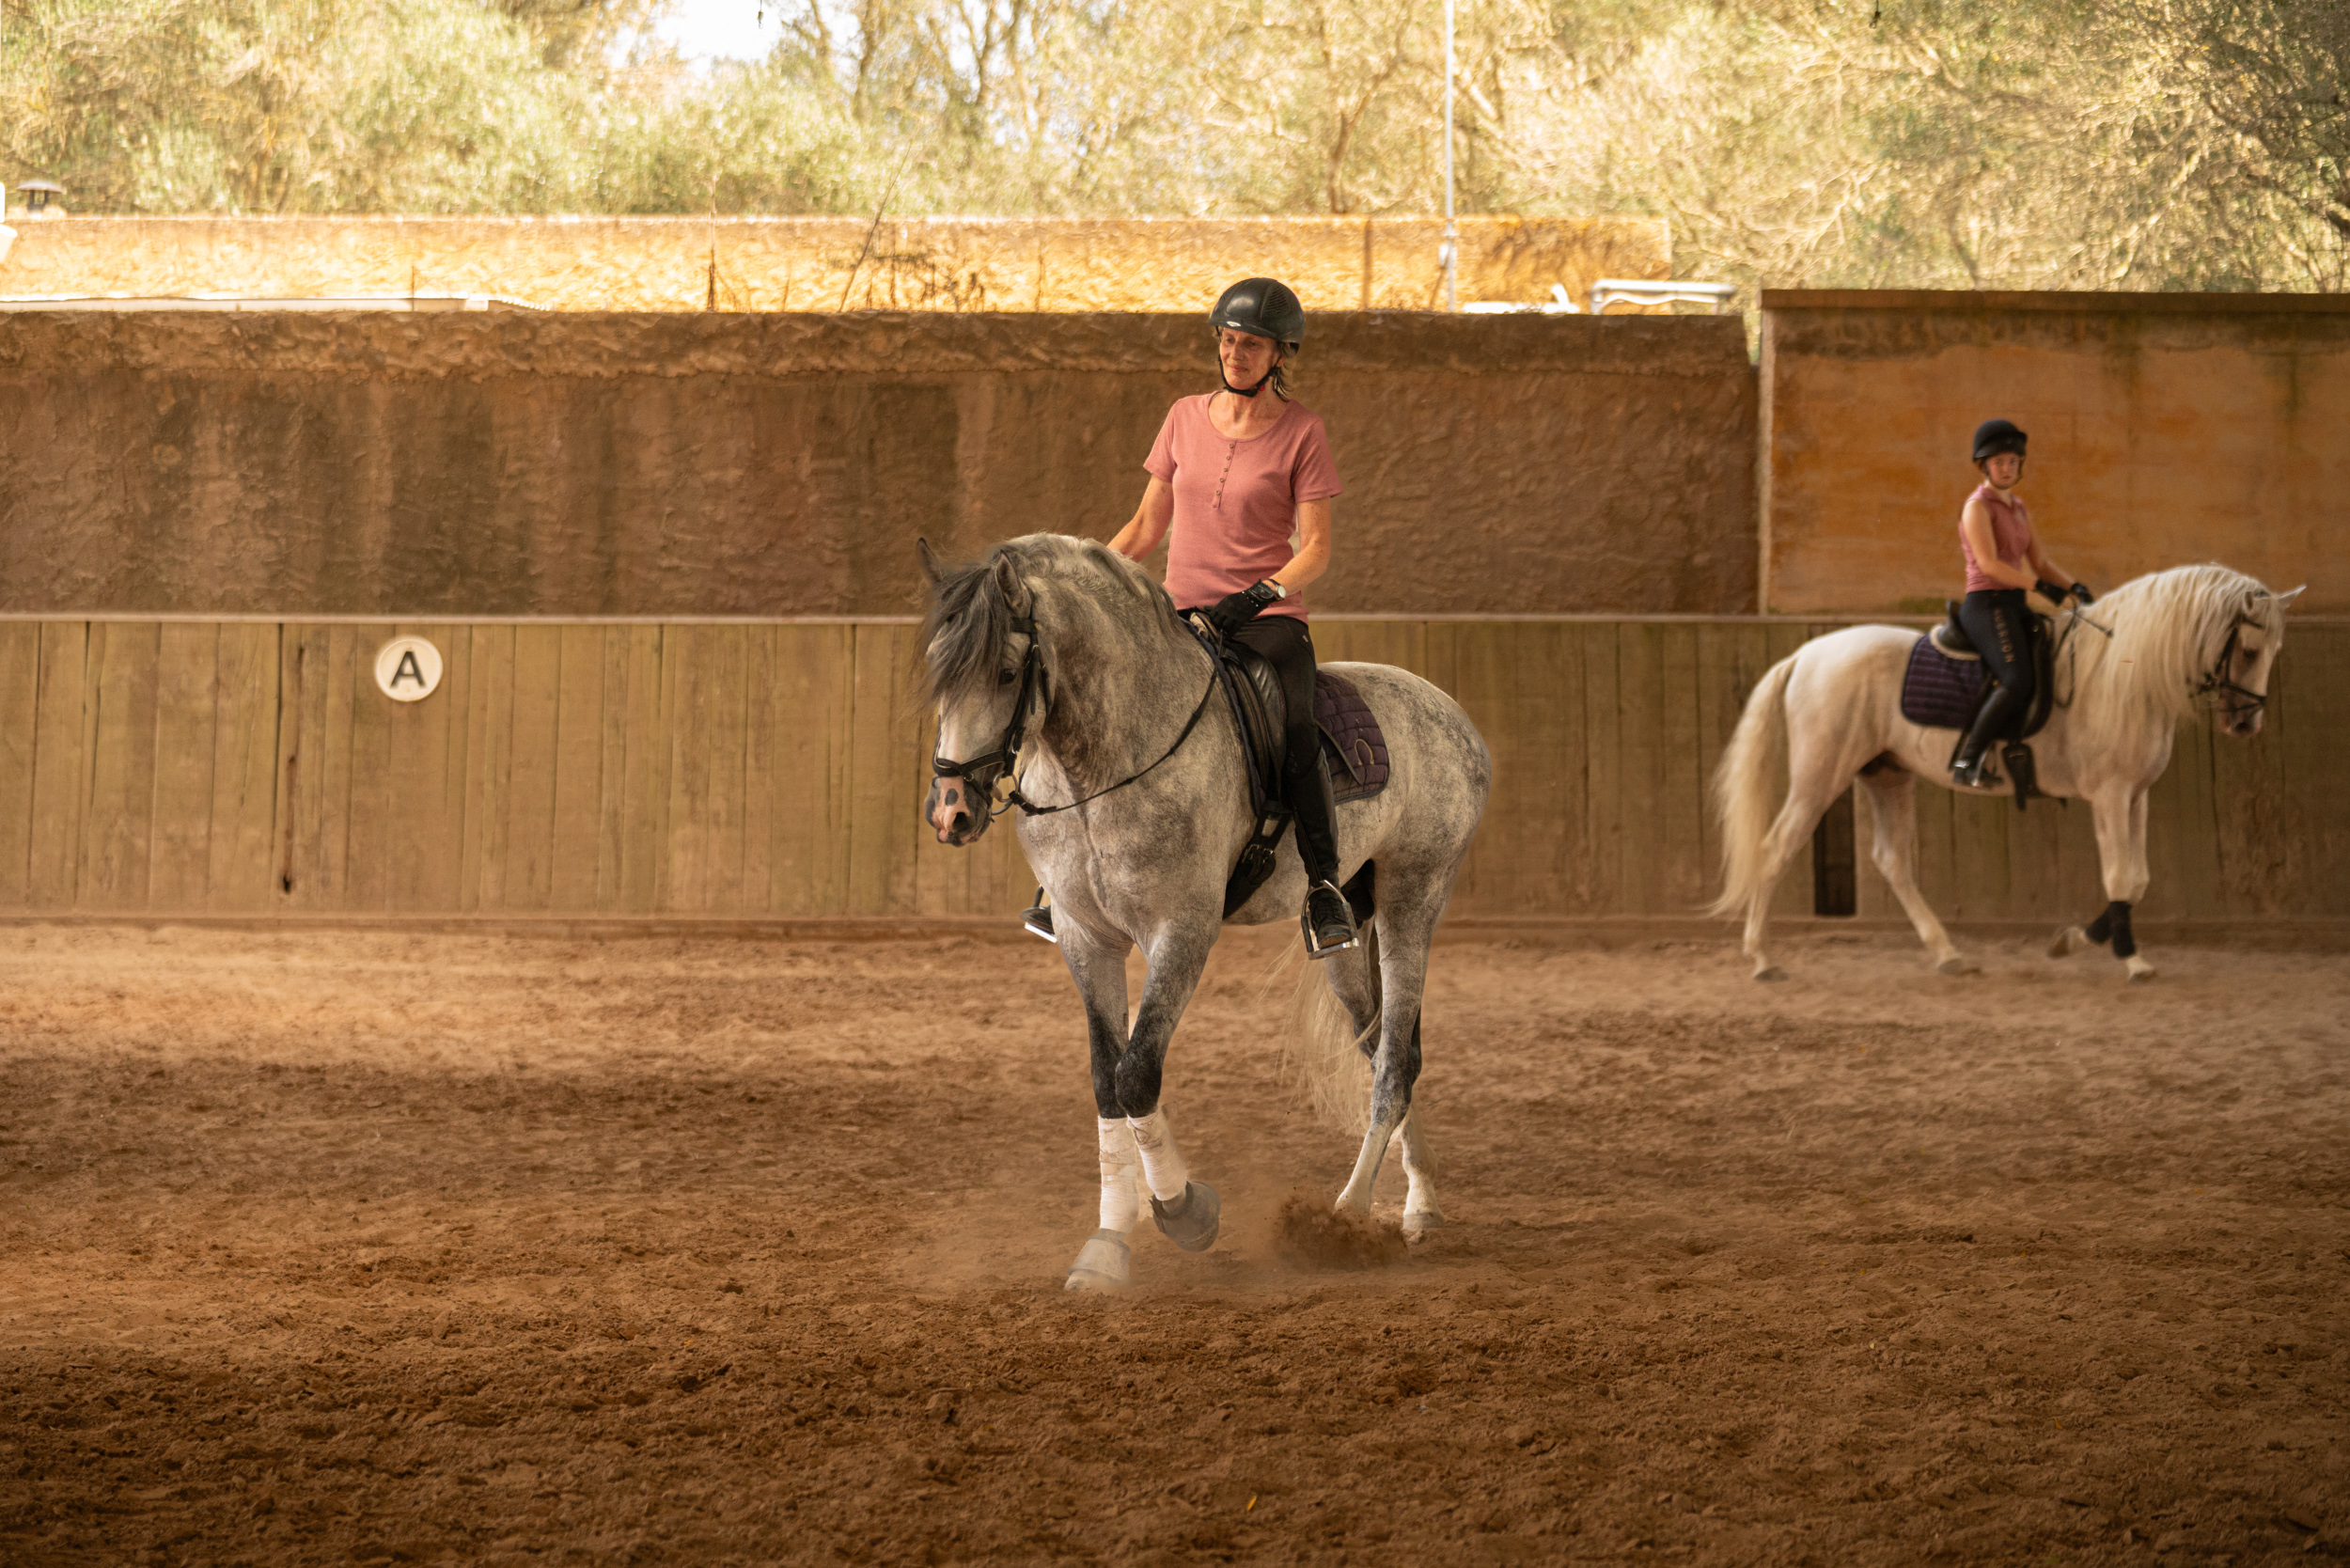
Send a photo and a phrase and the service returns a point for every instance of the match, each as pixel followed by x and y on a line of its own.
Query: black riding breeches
pixel 1288 647
pixel 1999 626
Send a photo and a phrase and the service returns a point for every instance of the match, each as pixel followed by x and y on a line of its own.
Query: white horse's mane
pixel 2169 629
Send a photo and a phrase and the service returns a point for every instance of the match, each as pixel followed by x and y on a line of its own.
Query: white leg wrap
pixel 1162 1162
pixel 1121 1166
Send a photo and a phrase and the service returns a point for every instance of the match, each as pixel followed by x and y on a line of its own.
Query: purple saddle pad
pixel 1351 737
pixel 1938 690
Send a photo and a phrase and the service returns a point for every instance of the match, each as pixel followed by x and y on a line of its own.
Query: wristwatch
pixel 1266 591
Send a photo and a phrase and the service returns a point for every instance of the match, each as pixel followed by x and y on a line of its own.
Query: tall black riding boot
pixel 1328 923
pixel 1972 767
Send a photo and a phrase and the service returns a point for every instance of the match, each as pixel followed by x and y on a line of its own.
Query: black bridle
pixel 982 773
pixel 2215 678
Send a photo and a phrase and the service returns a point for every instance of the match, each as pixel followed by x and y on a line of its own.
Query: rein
pixel 984 772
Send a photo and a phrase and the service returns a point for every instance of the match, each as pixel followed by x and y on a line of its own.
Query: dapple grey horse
pixel 2129 670
pixel 1061 665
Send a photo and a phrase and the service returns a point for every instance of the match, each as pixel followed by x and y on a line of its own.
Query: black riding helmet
pixel 1262 307
pixel 1993 437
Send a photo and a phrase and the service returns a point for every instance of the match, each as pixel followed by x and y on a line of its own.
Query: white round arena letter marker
pixel 408 669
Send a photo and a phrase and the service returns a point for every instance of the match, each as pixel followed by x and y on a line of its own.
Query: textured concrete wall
pixel 2165 429
pixel 1176 264
pixel 682 464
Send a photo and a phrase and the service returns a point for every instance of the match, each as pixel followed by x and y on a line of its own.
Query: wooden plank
pixel 710 732
pixel 579 730
pixel 1602 771
pixel 381 730
pixel 884 802
pixel 489 763
pixel 240 839
pixel 812 709
pixel 187 715
pixel 20 707
pixel 121 724
pixel 317 750
pixel 1640 733
pixel 641 824
pixel 535 693
pixel 2194 828
pixel 422 799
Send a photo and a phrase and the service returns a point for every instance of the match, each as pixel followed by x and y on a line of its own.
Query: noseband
pixel 984 772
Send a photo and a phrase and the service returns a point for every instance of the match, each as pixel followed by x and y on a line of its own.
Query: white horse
pixel 2131 668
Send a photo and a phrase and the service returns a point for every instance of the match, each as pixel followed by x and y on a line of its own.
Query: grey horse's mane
pixel 970 621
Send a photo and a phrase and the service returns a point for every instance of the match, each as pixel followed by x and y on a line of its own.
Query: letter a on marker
pixel 408 669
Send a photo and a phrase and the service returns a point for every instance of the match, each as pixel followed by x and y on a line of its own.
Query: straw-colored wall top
pixel 637 263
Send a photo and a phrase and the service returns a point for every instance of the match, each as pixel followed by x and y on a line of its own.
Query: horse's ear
pixel 1015 591
pixel 2284 600
pixel 933 568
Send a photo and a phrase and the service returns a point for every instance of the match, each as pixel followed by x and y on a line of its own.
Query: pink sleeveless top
pixel 2010 534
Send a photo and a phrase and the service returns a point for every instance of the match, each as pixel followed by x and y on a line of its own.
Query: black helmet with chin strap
pixel 1262 307
pixel 1993 437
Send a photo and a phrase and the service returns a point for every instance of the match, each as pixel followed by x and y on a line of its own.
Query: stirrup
pixel 1973 773
pixel 1038 919
pixel 1317 946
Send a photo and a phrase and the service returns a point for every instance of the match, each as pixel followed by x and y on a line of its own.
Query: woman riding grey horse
pixel 1060 664
pixel 1234 478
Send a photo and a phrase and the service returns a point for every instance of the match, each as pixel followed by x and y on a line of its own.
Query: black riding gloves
pixel 1236 610
pixel 2080 591
pixel 2050 591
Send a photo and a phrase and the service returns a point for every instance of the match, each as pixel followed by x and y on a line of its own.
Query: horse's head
pixel 2238 675
pixel 982 667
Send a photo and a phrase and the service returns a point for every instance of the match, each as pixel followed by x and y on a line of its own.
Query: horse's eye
pixel 1007 677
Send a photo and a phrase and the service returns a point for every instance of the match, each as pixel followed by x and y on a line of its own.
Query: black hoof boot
pixel 1329 924
pixel 1192 1221
pixel 1038 919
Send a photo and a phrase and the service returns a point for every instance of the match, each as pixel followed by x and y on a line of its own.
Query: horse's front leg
pixel 1101 976
pixel 1187 1212
pixel 2119 815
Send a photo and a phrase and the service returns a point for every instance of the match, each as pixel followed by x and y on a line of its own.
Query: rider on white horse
pixel 1244 485
pixel 1994 534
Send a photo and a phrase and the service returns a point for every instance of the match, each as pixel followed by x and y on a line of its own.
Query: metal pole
pixel 1451 228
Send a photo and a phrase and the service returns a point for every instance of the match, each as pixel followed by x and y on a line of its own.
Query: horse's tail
pixel 1324 1056
pixel 1742 787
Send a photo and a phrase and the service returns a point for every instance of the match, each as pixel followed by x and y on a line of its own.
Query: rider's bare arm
pixel 2047 570
pixel 1142 533
pixel 1313 547
pixel 1975 523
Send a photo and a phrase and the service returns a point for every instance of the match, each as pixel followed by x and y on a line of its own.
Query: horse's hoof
pixel 1958 965
pixel 2139 968
pixel 2072 939
pixel 1770 972
pixel 1418 1222
pixel 1191 1221
pixel 1102 1263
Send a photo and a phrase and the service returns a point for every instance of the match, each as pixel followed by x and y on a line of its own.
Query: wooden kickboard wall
pixel 748 769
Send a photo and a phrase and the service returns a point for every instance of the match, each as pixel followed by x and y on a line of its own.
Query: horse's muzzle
pixel 954 811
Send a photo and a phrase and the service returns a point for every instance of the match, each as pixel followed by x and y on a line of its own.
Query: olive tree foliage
pixel 1920 143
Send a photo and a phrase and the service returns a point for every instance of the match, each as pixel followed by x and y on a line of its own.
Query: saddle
pixel 1353 746
pixel 1947 683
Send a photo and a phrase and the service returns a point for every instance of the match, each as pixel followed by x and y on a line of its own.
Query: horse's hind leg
pixel 1893 807
pixel 1404 930
pixel 1817 774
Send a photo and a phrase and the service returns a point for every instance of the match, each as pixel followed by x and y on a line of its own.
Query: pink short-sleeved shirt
pixel 1236 501
pixel 2011 537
